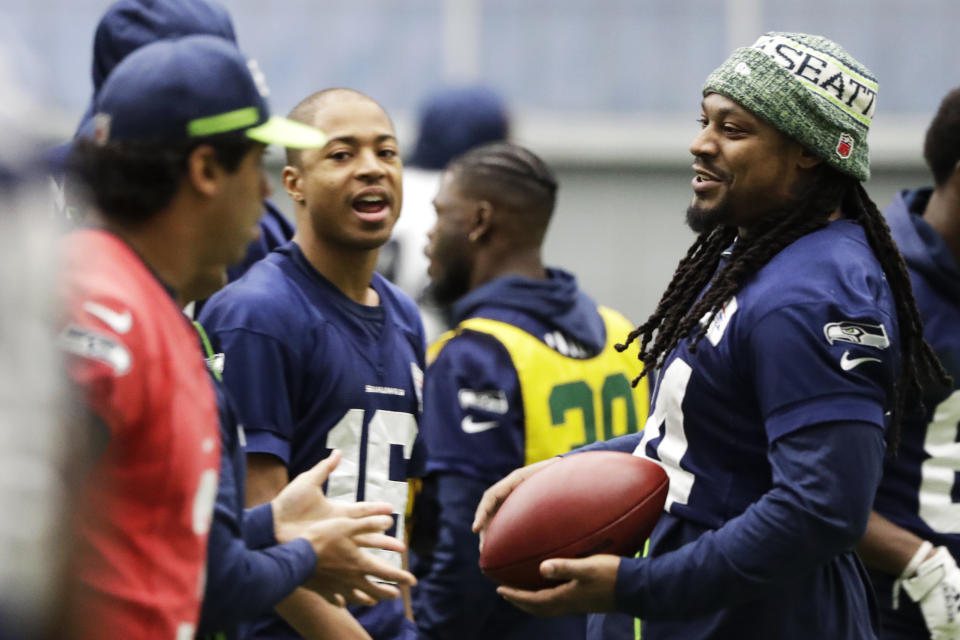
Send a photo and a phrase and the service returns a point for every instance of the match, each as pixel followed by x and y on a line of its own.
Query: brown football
pixel 581 505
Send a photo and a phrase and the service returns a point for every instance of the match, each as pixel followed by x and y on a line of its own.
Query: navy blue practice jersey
pixel 800 345
pixel 310 371
pixel 811 340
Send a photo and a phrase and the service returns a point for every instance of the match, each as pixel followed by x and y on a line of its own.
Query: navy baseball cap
pixel 128 25
pixel 191 87
pixel 455 120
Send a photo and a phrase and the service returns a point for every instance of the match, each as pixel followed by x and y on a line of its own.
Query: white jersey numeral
pixel 940 472
pixel 668 413
pixel 386 428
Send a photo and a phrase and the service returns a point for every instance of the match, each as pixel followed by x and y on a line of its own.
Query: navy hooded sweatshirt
pixel 444 553
pixel 912 493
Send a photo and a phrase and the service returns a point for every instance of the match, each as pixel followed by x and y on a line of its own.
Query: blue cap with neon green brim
pixel 192 87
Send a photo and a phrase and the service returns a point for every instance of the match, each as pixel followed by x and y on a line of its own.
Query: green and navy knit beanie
pixel 810 89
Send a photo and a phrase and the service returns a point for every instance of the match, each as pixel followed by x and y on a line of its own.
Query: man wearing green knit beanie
pixel 786 347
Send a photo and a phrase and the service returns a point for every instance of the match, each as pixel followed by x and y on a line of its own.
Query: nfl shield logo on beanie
pixel 845 146
pixel 101 128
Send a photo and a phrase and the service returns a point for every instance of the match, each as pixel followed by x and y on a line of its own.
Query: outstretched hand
pixel 345 574
pixel 496 494
pixel 337 531
pixel 588 587
pixel 301 503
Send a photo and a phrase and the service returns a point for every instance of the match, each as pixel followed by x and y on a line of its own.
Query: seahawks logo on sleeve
pixel 858 333
pixel 868 335
pixel 492 404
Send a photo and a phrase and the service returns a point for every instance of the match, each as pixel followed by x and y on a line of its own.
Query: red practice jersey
pixel 146 504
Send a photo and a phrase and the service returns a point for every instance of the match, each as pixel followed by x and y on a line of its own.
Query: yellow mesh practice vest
pixel 569 402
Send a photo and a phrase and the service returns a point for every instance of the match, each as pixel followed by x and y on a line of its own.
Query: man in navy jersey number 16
pixel 321 353
pixel 786 334
pixel 913 538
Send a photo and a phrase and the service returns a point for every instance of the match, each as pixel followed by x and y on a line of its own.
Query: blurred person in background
pixel 126 26
pixel 530 360
pixel 452 121
pixel 913 538
pixel 38 446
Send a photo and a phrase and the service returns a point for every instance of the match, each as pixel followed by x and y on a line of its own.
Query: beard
pixel 453 285
pixel 704 220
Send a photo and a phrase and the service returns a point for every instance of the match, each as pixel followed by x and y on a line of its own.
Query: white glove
pixel 936 588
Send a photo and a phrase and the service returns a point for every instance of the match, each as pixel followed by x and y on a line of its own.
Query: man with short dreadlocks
pixel 787 334
pixel 530 371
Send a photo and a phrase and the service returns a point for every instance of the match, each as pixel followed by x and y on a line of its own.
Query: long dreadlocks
pixel 679 311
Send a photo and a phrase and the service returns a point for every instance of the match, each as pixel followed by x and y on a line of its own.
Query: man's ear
pixel 293 183
pixel 807 159
pixel 481 221
pixel 204 171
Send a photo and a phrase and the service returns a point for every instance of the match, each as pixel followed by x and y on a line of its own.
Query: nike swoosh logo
pixel 119 322
pixel 469 426
pixel 847 363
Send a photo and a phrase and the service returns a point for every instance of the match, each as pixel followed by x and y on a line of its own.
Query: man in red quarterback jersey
pixel 174 171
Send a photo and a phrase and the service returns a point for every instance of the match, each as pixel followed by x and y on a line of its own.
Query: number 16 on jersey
pixel 374 464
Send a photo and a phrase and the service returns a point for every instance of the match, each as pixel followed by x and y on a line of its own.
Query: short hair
pixel 306 110
pixel 131 180
pixel 507 175
pixel 941 149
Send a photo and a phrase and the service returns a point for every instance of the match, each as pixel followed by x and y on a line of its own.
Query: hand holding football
pixel 584 504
